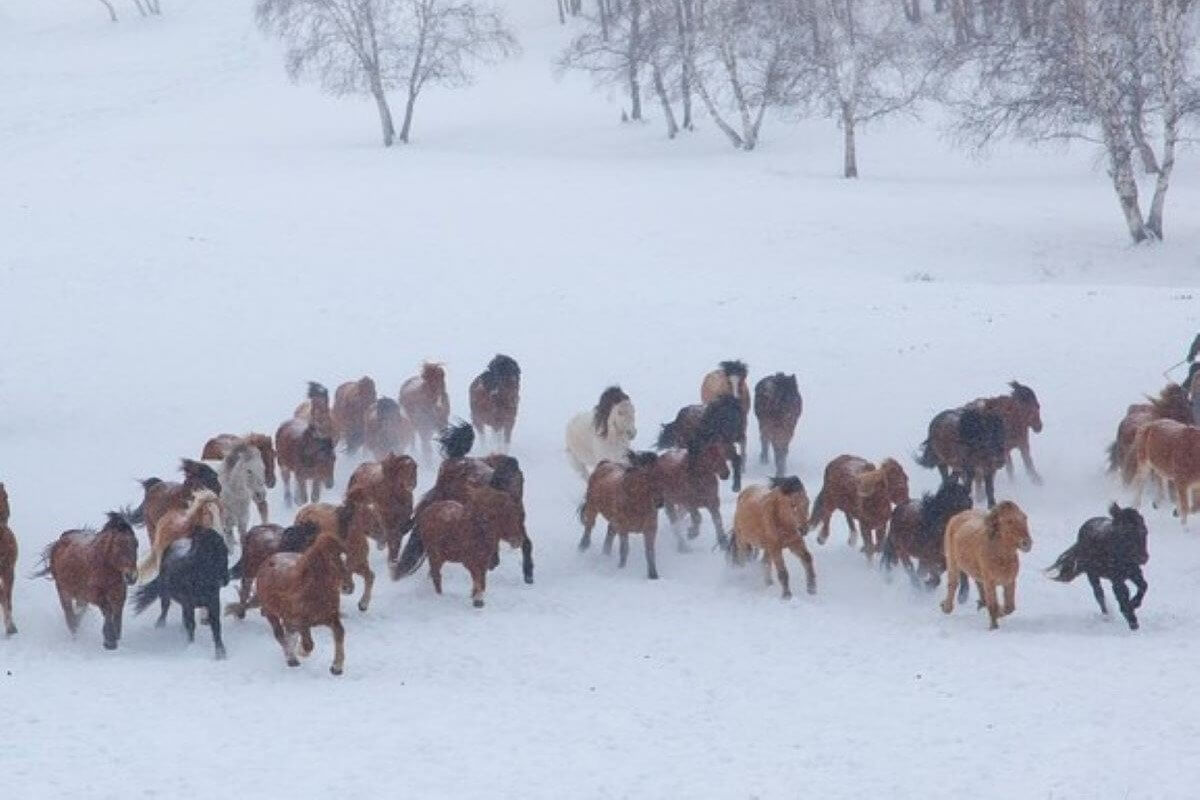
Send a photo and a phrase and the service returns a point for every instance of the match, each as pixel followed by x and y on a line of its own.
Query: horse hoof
pixel 335 670
pixel 812 590
pixel 10 630
pixel 221 654
pixel 787 595
pixel 653 576
pixel 293 662
pixel 158 623
pixel 362 606
pixel 110 645
pixel 529 579
pixel 1133 624
pixel 477 603
pixel 947 608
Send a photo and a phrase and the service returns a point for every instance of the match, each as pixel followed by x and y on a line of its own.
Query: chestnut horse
pixel 1172 403
pixel 690 480
pixel 351 401
pixel 94 567
pixel 386 430
pixel 260 543
pixel 389 484
pixel 299 591
pixel 303 450
pixel 316 410
pixel 777 405
pixel 216 448
pixel 356 522
pixel 969 442
pixel 917 530
pixel 718 421
pixel 628 496
pixel 863 493
pixel 423 398
pixel 605 433
pixel 1021 413
pixel 729 378
pixel 495 394
pixel 204 511
pixel 774 519
pixel 160 496
pixel 984 545
pixel 8 563
pixel 1170 451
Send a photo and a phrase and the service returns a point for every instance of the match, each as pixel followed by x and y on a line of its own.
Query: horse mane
pixel 317 391
pixel 1023 394
pixel 789 484
pixel 734 369
pixel 641 458
pixel 936 507
pixel 992 520
pixel 505 471
pixel 119 520
pixel 433 372
pixel 456 440
pixel 321 558
pixel 1172 403
pixel 499 369
pixel 721 420
pixel 297 538
pixel 609 399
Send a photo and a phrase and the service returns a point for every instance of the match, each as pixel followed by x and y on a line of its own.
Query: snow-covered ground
pixel 187 239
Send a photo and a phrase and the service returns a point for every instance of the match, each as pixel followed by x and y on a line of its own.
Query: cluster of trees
pixel 1115 72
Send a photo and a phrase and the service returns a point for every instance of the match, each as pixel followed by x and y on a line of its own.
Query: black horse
pixel 696 427
pixel 192 572
pixel 1112 547
pixel 917 530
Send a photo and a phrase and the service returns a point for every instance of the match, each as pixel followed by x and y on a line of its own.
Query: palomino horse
pixel 351 402
pixel 387 430
pixel 389 484
pixel 865 494
pixel 193 571
pixel 1112 547
pixel 203 512
pixel 356 522
pixel 1170 451
pixel 260 543
pixel 1021 413
pixel 729 378
pixel 161 496
pixel 605 433
pixel 495 394
pixel 94 567
pixel 243 480
pixel 316 410
pixel 690 480
pixel 1172 403
pixel 216 448
pixel 968 442
pixel 8 563
pixel 303 450
pixel 720 420
pixel 917 530
pixel 777 405
pixel 628 496
pixel 984 545
pixel 424 400
pixel 774 519
pixel 299 591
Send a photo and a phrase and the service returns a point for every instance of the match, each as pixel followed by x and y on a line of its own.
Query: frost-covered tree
pixel 613 49
pixel 145 7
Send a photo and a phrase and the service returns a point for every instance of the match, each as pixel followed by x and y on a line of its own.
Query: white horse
pixel 603 434
pixel 243 479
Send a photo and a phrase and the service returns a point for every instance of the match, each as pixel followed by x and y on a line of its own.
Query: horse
pixel 216 448
pixel 969 442
pixel 243 479
pixel 1170 451
pixel 719 420
pixel 864 494
pixel 777 406
pixel 93 567
pixel 8 563
pixel 605 433
pixel 495 394
pixel 351 401
pixel 1112 547
pixel 628 496
pixel 303 450
pixel 193 571
pixel 298 591
pixel 386 430
pixel 917 530
pixel 160 496
pixel 774 518
pixel 260 543
pixel 423 398
pixel 389 484
pixel 1021 413
pixel 356 521
pixel 1171 403
pixel 984 545
pixel 690 480
pixel 729 378
pixel 316 410
pixel 203 512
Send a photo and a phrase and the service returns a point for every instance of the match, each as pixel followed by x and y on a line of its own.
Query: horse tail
pixel 818 511
pixel 1114 460
pixel 44 562
pixel 1067 565
pixel 666 437
pixel 411 558
pixel 925 456
pixel 146 595
pixel 579 511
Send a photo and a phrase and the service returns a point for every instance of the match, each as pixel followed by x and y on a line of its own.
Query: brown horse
pixel 729 378
pixel 386 430
pixel 8 563
pixel 1170 451
pixel 389 484
pixel 204 511
pixel 690 480
pixel 495 394
pixel 316 410
pixel 1171 403
pixel 161 496
pixel 984 545
pixel 1021 413
pixel 356 521
pixel 303 450
pixel 697 426
pixel 864 494
pixel 260 543
pixel 94 567
pixel 777 405
pixel 299 591
pixel 351 401
pixel 221 445
pixel 969 442
pixel 628 496
pixel 424 399
pixel 774 519
pixel 917 530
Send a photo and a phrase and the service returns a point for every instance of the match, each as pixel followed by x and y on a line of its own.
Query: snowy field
pixel 187 239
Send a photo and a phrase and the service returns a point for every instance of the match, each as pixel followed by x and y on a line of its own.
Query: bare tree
pixel 613 50
pixel 112 12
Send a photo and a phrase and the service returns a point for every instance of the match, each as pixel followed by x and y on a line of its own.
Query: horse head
pixel 400 472
pixel 602 413
pixel 3 505
pixel 791 503
pixel 622 421
pixel 1008 524
pixel 266 449
pixel 897 480
pixel 1027 401
pixel 119 550
pixel 1130 529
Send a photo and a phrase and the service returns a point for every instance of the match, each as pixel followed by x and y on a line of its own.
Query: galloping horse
pixel 1170 451
pixel 729 378
pixel 984 545
pixel 495 394
pixel 969 442
pixel 316 410
pixel 216 448
pixel 161 496
pixel 356 521
pixel 628 496
pixel 690 480
pixel 389 484
pixel 1021 413
pixel 424 399
pixel 1172 403
pixel 351 401
pixel 1112 547
pixel 777 405
pixel 303 450
pixel 203 512
pixel 605 433
pixel 917 530
pixel 387 430
pixel 8 563
pixel 260 543
pixel 193 571
pixel 721 420
pixel 774 519
pixel 243 480
pixel 863 493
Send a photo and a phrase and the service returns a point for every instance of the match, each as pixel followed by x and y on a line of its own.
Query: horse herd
pixel 296 574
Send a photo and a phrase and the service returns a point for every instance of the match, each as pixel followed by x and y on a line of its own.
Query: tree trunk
pixel 1167 16
pixel 711 108
pixel 385 115
pixel 562 13
pixel 668 112
pixel 683 15
pixel 1138 133
pixel 406 127
pixel 141 8
pixel 634 56
pixel 1120 160
pixel 112 12
pixel 602 7
pixel 849 150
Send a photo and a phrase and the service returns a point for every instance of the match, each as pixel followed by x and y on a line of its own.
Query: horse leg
pixel 286 475
pixel 316 490
pixel 109 629
pixel 982 601
pixel 762 455
pixel 993 606
pixel 1030 469
pixel 989 486
pixel 214 623
pixel 648 537
pixel 164 603
pixel 6 601
pixel 781 454
pixel 694 528
pixel 478 585
pixel 189 620
pixel 781 571
pixel 1122 592
pixel 260 502
pixel 853 530
pixel 714 511
pixel 768 577
pixel 800 549
pixel 952 576
pixel 368 577
pixel 944 471
pixel 624 549
pixel 737 471
pixel 1140 583
pixel 339 646
pixel 1008 465
pixel 589 521
pixel 435 572
pixel 285 641
pixel 1010 597
pixel 527 559
pixel 306 642
pixel 68 607
pixel 609 535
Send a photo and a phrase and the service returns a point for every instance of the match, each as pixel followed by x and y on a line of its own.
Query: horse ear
pixel 1114 510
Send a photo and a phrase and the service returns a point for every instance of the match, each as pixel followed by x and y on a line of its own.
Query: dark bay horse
pixel 426 403
pixel 729 378
pixel 192 572
pixel 777 405
pixel 697 426
pixel 389 484
pixel 351 402
pixel 495 394
pixel 304 451
pixel 316 410
pixel 689 480
pixel 628 496
pixel 386 430
pixel 917 531
pixel 1021 413
pixel 162 496
pixel 8 563
pixel 1112 547
pixel 968 442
